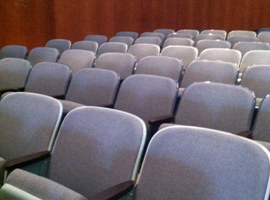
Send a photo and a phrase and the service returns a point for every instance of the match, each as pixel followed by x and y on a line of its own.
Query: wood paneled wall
pixel 33 22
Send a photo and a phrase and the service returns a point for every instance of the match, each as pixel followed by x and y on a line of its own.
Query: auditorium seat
pixel 180 35
pixel 13 74
pixel 222 33
pixel 121 63
pixel 235 39
pixel 100 39
pixel 28 126
pixel 206 44
pixel 60 44
pixel 112 47
pixel 177 41
pixel 244 33
pixel 124 39
pixel 264 37
pixel 192 32
pixel 42 54
pixel 209 36
pixel 93 151
pixel 244 47
pixel 143 50
pixel 85 45
pixel 164 31
pixel 153 34
pixel 149 40
pixel 13 51
pixel 132 34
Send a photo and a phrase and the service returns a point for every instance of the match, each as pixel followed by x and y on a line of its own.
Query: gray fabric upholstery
pixel 179 35
pixel 192 32
pixel 226 55
pixel 178 41
pixel 256 78
pixel 96 149
pixel 2 162
pixel 124 39
pixel 153 34
pixel 161 66
pixel 13 51
pixel 13 73
pixel 42 54
pixel 100 39
pixel 41 187
pixel 60 44
pixel 264 37
pixel 235 39
pixel 132 34
pixel 49 78
pixel 216 105
pixel 202 164
pixel 185 53
pixel 255 57
pixel 112 47
pixel 143 50
pixel 86 45
pixel 265 144
pixel 261 130
pixel 92 87
pixel 243 33
pixel 208 37
pixel 148 40
pixel 209 70
pixel 28 123
pixel 244 47
pixel 206 44
pixel 222 33
pixel 121 63
pixel 147 96
pixel 164 31
pixel 77 59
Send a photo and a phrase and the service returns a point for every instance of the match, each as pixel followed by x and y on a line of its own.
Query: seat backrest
pixel 222 33
pixel 206 44
pixel 255 57
pixel 209 36
pixel 13 51
pixel 90 86
pixel 202 164
pixel 147 96
pixel 132 34
pixel 185 53
pixel 28 124
pixel 244 47
pixel 218 106
pixel 124 39
pixel 148 40
pixel 164 31
pixel 180 35
pixel 106 142
pixel 121 63
pixel 13 73
pixel 161 66
pixel 77 59
pixel 178 41
pixel 112 47
pixel 100 39
pixel 222 54
pixel 235 39
pixel 256 78
pixel 86 45
pixel 153 34
pixel 192 32
pixel 243 33
pixel 209 70
pixel 261 128
pixel 143 50
pixel 264 37
pixel 43 54
pixel 60 44
pixel 49 78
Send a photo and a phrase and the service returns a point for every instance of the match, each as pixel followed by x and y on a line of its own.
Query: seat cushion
pixel 41 187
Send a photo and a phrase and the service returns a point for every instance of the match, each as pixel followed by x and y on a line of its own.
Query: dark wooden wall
pixel 33 22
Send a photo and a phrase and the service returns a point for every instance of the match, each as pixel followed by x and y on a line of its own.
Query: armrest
pixel 115 192
pixel 26 160
pixel 107 105
pixel 246 133
pixel 161 120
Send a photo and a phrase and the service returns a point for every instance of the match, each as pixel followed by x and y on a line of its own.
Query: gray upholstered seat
pixel 222 54
pixel 85 45
pixel 153 34
pixel 218 106
pixel 164 31
pixel 96 148
pixel 92 87
pixel 244 47
pixel 178 41
pixel 100 39
pixel 147 96
pixel 161 66
pixel 13 73
pixel 185 53
pixel 13 51
pixel 49 78
pixel 143 50
pixel 112 47
pixel 121 63
pixel 209 70
pixel 149 40
pixel 192 32
pixel 60 44
pixel 28 124
pixel 264 37
pixel 42 54
pixel 235 39
pixel 132 34
pixel 202 164
pixel 257 79
pixel 222 33
pixel 209 36
pixel 179 35
pixel 124 39
pixel 77 59
pixel 206 44
pixel 242 33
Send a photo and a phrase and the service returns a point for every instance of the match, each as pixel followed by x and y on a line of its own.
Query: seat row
pixel 96 154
